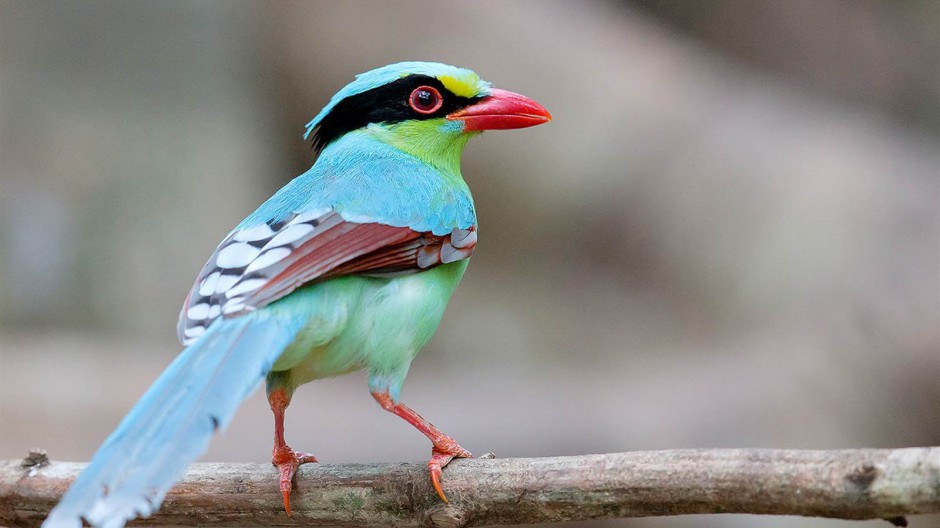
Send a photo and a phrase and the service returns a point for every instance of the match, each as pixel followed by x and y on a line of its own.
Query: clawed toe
pixel 440 456
pixel 287 462
pixel 445 447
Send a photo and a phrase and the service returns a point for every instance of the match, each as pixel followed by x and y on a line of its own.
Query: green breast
pixel 359 322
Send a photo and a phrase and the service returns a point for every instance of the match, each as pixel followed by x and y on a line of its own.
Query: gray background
pixel 728 237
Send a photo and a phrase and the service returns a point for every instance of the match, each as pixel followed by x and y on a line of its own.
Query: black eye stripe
pixel 384 104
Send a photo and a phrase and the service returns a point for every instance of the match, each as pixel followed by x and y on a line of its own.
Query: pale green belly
pixel 359 322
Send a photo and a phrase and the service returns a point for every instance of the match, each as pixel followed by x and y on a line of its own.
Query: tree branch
pixel 847 484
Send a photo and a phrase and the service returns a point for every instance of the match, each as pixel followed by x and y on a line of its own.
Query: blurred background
pixel 729 236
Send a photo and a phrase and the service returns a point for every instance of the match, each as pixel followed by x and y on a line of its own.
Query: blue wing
pixel 365 180
pixel 388 212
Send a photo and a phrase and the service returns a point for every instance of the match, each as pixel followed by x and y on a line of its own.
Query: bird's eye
pixel 425 100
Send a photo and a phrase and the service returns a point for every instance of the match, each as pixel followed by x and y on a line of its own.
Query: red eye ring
pixel 425 100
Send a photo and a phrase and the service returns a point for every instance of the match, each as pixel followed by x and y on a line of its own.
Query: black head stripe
pixel 385 104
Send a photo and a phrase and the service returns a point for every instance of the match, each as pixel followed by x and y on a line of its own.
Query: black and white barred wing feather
pixel 257 265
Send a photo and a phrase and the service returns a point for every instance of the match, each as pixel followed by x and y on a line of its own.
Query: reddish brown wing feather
pixel 371 249
pixel 393 259
pixel 256 266
pixel 422 252
pixel 322 255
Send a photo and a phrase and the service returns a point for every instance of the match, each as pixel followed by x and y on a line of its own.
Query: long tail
pixel 172 423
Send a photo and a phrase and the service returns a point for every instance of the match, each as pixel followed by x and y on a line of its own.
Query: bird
pixel 347 267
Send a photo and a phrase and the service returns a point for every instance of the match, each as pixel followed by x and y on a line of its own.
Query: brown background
pixel 728 237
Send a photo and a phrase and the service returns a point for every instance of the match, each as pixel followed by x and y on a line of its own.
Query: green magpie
pixel 349 266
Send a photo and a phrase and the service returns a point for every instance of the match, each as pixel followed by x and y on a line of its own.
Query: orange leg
pixel 286 459
pixel 445 448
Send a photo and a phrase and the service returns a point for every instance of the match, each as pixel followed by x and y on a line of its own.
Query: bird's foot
pixel 445 449
pixel 287 461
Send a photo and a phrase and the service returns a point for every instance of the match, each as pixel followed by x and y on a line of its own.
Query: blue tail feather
pixel 173 422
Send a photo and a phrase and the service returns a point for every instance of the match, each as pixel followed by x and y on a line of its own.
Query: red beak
pixel 500 111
